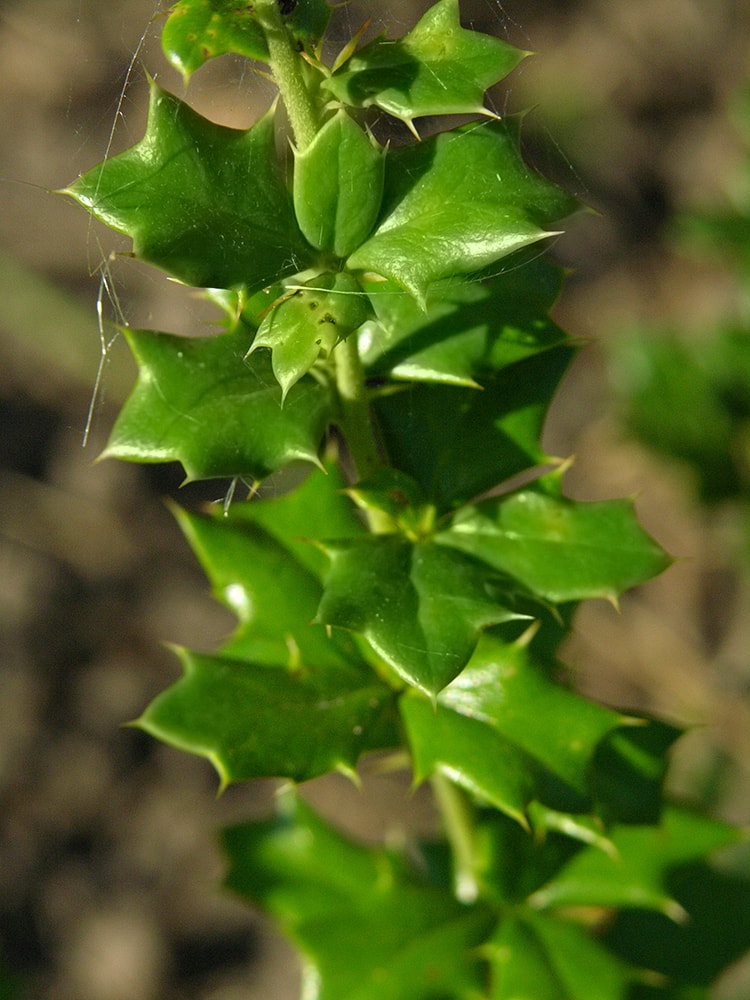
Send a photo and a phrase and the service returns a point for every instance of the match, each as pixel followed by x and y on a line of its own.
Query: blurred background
pixel 109 877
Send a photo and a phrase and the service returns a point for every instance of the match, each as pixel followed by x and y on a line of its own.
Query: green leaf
pixel 206 203
pixel 559 549
pixel 198 402
pixel 539 958
pixel 369 927
pixel 338 186
pixel 457 443
pixel 466 329
pixel 636 875
pixel 457 203
pixel 198 30
pixel 253 721
pixel 273 595
pixel 502 725
pixel 422 612
pixel 438 68
pixel 308 325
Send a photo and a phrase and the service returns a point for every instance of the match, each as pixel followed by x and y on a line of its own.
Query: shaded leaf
pixel 501 725
pixel 368 926
pixel 559 549
pixel 252 721
pixel 466 329
pixel 420 606
pixel 198 402
pixel 207 204
pixel 438 68
pixel 637 875
pixel 458 443
pixel 457 203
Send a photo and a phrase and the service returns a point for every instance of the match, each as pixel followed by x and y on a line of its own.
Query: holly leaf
pixel 206 203
pixel 535 957
pixel 502 727
pixel 438 68
pixel 199 30
pixel 420 611
pixel 466 329
pixel 457 203
pixel 369 926
pixel 196 401
pixel 458 442
pixel 636 874
pixel 252 721
pixel 559 549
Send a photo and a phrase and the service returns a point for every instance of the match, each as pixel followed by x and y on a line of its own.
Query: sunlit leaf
pixel 206 203
pixel 198 402
pixel 457 203
pixel 438 68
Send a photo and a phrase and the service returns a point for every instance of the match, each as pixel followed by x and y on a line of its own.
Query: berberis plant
pixel 385 325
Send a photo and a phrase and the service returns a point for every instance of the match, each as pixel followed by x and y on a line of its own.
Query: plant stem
pixel 355 409
pixel 457 820
pixel 286 67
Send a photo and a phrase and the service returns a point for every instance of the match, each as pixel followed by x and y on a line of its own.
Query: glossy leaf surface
pixel 230 712
pixel 501 725
pixel 438 68
pixel 198 402
pixel 370 927
pixel 455 204
pixel 466 329
pixel 422 612
pixel 559 549
pixel 206 203
pixel 338 186
pixel 457 442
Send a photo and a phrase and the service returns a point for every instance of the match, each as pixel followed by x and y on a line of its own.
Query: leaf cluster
pixel 386 321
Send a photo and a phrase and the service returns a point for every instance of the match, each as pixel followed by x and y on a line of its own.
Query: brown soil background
pixel 109 877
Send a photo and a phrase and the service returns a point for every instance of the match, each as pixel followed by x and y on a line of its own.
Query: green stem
pixel 459 828
pixel 286 67
pixel 355 409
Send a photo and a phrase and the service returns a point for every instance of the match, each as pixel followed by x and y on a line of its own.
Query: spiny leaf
pixel 466 329
pixel 230 711
pixel 422 612
pixel 206 203
pixel 370 926
pixel 502 725
pixel 438 68
pixel 636 875
pixel 457 203
pixel 457 443
pixel 559 549
pixel 198 402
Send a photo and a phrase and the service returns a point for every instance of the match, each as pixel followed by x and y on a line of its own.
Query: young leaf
pixel 501 725
pixel 559 549
pixel 422 612
pixel 370 927
pixel 207 204
pixel 438 68
pixel 255 721
pixel 457 203
pixel 457 443
pixel 309 325
pixel 338 186
pixel 466 329
pixel 198 402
